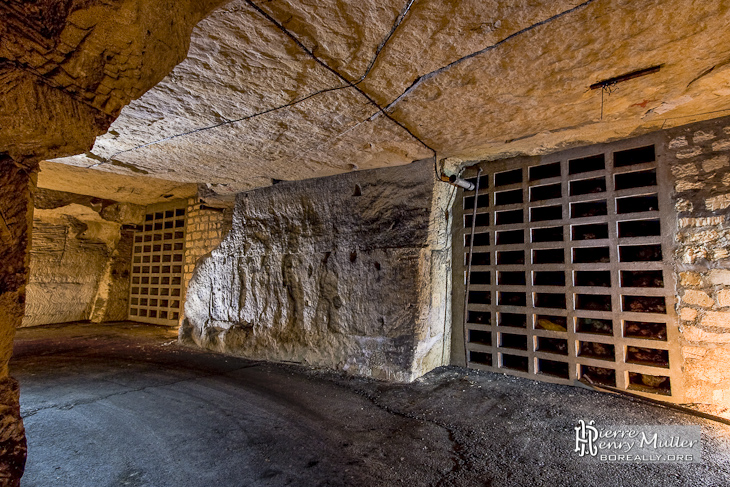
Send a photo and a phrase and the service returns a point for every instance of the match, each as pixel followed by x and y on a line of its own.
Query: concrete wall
pixel 699 155
pixel 80 258
pixel 347 272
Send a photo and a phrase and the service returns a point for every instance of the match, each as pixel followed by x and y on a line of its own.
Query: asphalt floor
pixel 124 404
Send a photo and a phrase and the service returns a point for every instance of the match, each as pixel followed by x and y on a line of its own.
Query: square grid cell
pixel 569 276
pixel 157 268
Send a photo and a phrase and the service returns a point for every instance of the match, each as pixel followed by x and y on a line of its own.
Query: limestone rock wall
pixel 16 212
pixel 699 155
pixel 346 272
pixel 80 259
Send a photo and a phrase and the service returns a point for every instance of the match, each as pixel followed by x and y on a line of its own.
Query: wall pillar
pixel 16 216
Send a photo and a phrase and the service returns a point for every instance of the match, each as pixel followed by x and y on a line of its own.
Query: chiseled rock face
pixel 16 213
pixel 335 272
pixel 473 79
pixel 69 66
pixel 80 259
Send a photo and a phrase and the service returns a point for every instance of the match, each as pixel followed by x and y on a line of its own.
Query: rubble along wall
pixel 346 272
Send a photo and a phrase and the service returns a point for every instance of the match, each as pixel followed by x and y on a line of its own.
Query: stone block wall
pixel 699 157
pixel 205 229
pixel 347 272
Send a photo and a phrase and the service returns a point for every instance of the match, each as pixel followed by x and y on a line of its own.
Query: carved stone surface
pixel 338 272
pixel 471 79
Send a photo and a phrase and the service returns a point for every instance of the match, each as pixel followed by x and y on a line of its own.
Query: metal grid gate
pixel 157 267
pixel 569 277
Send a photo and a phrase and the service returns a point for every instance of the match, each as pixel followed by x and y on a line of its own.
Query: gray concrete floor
pixel 125 405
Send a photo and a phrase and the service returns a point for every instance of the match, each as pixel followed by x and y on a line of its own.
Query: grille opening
pixel 179 235
pixel 639 228
pixel 545 171
pixel 546 213
pixel 600 351
pixel 551 323
pixel 509 217
pixel 637 204
pixel 645 330
pixel 163 315
pixel 638 179
pixel 655 384
pixel 588 209
pixel 647 356
pixel 593 278
pixel 554 368
pixel 598 375
pixel 180 212
pixel 552 345
pixel 143 313
pixel 548 256
pixel 480 240
pixel 511 257
pixel 170 214
pixel 547 192
pixel 548 278
pixel 508 197
pixel 511 278
pixel 644 304
pixel 594 326
pixel 630 157
pixel 515 362
pixel 483 202
pixel 149 217
pixel 511 237
pixel 480 278
pixel 483 182
pixel 588 186
pixel 481 337
pixel 478 258
pixel 595 231
pixel 512 319
pixel 508 177
pixel 518 342
pixel 175 315
pixel 640 253
pixel 512 299
pixel 587 164
pixel 593 302
pixel 482 220
pixel 480 358
pixel 548 234
pixel 480 297
pixel 550 300
pixel 642 279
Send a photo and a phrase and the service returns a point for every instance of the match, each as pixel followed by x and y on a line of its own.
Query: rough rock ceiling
pixel 298 89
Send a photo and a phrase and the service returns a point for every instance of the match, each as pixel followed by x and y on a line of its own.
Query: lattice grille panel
pixel 157 268
pixel 569 275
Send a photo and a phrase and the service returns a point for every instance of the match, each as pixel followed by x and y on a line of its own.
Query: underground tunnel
pixel 364 243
